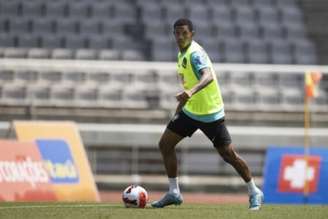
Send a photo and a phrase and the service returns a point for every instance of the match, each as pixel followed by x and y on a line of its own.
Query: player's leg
pixel 219 135
pixel 167 145
pixel 177 129
pixel 230 156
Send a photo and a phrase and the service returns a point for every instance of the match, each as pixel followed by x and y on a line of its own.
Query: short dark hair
pixel 182 22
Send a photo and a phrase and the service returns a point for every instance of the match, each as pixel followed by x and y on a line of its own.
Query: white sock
pixel 252 188
pixel 174 185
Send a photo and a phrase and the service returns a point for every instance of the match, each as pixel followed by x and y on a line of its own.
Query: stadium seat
pixel 51 41
pixel 75 41
pixel 62 95
pixel 7 40
pixel 80 10
pixel 242 79
pixel 112 28
pixel 272 31
pixel 28 41
pixel 98 78
pixel 62 54
pixel 110 96
pixel 134 97
pixel 73 78
pixel 6 76
pixel 101 10
pixel 262 3
pixel 26 77
pixel 89 26
pixel 292 81
pixel 44 25
pixel 220 14
pixel 173 11
pixel 233 50
pixel 66 26
pixel 39 94
pixel 198 12
pixel 266 14
pixel 11 52
pixel 86 54
pixel 86 95
pixel 150 12
pixel 56 9
pixel 267 98
pixel 14 94
pixel 256 51
pixel 124 12
pixel 291 13
pixel 3 24
pixel 154 29
pixel 248 29
pixel 280 51
pixel 132 55
pixel 147 78
pixel 244 98
pixel 33 8
pixel 109 54
pixel 225 29
pixel 162 49
pixel 38 53
pixel 50 77
pixel 10 8
pixel 96 41
pixel 266 80
pixel 304 52
pixel 292 98
pixel 227 95
pixel 19 26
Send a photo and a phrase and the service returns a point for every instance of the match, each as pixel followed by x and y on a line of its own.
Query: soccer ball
pixel 135 196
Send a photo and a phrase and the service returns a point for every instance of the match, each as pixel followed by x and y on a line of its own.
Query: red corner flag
pixel 311 80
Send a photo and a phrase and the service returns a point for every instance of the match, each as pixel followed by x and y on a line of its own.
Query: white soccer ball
pixel 135 196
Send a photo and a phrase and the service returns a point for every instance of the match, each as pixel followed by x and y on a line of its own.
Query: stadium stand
pixel 143 27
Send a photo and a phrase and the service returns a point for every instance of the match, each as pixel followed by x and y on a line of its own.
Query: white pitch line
pixel 54 206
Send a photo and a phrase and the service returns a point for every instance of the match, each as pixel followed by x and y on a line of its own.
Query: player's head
pixel 183 32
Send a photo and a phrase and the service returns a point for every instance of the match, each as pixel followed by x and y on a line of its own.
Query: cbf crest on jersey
pixel 291 177
pixel 184 62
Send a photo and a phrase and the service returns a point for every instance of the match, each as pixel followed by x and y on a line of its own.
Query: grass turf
pixel 43 210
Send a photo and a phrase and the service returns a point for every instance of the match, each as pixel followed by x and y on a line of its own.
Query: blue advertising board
pixel 292 178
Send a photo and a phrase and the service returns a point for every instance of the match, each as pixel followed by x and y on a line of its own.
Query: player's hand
pixel 183 96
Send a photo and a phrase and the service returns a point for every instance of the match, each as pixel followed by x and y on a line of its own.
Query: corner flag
pixel 311 80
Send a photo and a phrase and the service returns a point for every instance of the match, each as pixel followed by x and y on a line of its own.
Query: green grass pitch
pixel 74 210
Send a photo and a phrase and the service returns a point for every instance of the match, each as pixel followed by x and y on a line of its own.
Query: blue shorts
pixel 216 131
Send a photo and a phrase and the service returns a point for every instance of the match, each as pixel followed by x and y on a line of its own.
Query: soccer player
pixel 200 106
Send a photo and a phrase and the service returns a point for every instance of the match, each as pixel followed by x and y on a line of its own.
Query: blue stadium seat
pixel 56 9
pixel 19 26
pixel 51 41
pixel 78 9
pixel 66 25
pixel 10 8
pixel 44 25
pixel 34 8
pixel 75 41
pixel 7 40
